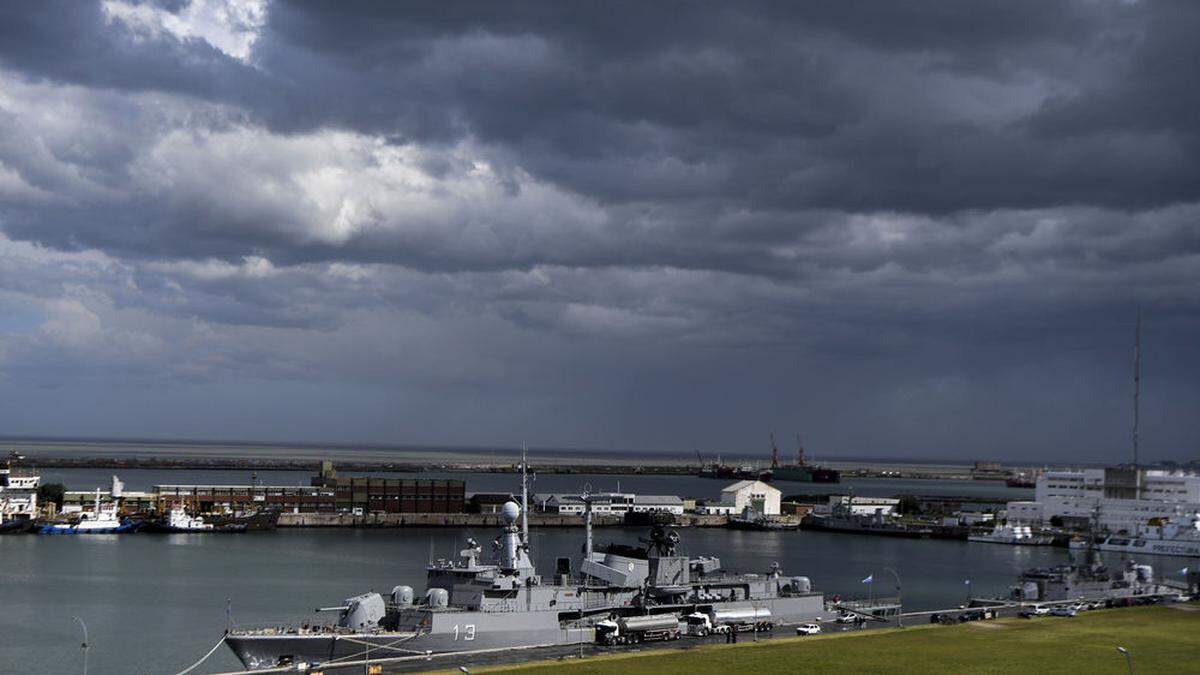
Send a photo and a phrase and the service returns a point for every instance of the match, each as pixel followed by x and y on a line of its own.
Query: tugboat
pixel 843 519
pixel 750 520
pixel 502 603
pixel 102 519
pixel 179 521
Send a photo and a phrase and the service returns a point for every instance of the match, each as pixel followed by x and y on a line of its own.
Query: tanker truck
pixel 724 620
pixel 633 629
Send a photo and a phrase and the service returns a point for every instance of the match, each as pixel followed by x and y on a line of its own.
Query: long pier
pixel 298 520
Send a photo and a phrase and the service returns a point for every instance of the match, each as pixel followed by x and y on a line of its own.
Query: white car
pixel 1035 610
pixel 1064 610
pixel 846 618
pixel 808 629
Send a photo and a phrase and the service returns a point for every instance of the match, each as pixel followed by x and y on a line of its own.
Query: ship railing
pixel 865 604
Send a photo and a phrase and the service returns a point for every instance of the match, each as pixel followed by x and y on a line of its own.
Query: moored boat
pixel 1178 537
pixel 102 519
pixel 1013 535
pixel 502 603
pixel 179 521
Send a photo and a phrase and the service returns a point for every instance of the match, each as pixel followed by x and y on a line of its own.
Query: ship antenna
pixel 587 521
pixel 524 494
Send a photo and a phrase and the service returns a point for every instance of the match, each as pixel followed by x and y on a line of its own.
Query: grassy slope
pixel 1162 640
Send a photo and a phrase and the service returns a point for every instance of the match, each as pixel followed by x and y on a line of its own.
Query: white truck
pixel 725 620
pixel 634 629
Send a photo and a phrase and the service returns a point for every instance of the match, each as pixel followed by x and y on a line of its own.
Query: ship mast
pixel 774 452
pixel 524 495
pixel 1137 391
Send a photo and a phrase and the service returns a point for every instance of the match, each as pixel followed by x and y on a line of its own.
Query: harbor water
pixel 154 604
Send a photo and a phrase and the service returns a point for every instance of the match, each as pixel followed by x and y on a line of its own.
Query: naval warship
pixel 471 604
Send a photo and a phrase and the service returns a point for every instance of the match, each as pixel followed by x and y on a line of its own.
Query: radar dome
pixel 510 511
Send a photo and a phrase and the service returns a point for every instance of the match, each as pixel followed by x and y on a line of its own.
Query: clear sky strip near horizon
pixel 919 229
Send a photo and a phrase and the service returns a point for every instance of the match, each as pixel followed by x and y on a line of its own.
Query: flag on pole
pixel 1184 571
pixel 967 582
pixel 869 579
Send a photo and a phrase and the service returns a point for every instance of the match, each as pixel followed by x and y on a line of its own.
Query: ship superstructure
pixel 1090 581
pixel 18 495
pixel 471 604
pixel 1179 536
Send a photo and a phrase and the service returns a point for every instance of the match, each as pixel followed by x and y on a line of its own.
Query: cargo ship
pixel 471 604
pixel 801 471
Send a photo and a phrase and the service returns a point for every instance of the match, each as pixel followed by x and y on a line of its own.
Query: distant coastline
pixel 417 457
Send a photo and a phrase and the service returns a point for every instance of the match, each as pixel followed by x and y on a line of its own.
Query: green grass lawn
pixel 1161 639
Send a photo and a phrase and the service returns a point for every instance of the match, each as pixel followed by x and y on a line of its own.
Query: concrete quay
pixel 483 520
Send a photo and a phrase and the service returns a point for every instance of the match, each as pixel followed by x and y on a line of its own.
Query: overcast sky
pixel 898 229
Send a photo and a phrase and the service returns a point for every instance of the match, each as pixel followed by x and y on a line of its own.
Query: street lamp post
pixel 899 598
pixel 84 646
pixel 1128 658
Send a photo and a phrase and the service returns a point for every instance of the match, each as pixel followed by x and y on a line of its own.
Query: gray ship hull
pixel 451 631
pixel 468 631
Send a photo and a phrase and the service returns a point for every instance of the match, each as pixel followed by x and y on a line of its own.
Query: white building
pixel 753 494
pixel 658 503
pixel 607 503
pixel 18 493
pixel 859 506
pixel 711 508
pixel 1113 499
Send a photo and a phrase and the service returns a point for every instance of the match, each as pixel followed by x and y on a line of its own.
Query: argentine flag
pixel 869 579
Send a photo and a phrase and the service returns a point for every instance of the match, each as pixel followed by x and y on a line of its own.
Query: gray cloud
pixel 910 229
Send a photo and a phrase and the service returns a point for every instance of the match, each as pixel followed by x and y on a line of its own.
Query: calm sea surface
pixel 154 604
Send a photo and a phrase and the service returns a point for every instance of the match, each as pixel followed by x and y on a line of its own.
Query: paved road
pixel 573 652
pixel 524 655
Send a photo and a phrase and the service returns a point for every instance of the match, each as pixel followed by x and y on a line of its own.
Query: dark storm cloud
pixel 920 108
pixel 73 42
pixel 650 212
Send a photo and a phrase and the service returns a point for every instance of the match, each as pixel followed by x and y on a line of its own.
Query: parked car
pixel 1035 610
pixel 808 629
pixel 847 618
pixel 1064 610
pixel 973 615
